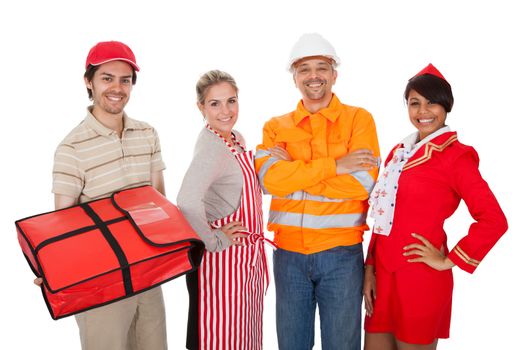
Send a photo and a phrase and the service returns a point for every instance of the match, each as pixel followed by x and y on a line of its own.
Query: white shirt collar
pixel 411 145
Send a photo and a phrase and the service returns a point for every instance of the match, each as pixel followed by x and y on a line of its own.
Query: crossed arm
pixel 350 175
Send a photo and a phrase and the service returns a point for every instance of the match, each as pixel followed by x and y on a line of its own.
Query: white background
pixel 477 45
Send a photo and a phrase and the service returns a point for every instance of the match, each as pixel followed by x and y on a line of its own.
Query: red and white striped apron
pixel 232 282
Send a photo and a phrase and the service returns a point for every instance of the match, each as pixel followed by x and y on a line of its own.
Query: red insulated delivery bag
pixel 102 251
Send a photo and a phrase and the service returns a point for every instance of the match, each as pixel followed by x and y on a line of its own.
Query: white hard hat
pixel 312 44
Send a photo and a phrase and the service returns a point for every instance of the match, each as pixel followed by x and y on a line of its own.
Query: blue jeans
pixel 333 280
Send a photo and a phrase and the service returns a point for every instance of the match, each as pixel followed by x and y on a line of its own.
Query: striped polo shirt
pixel 93 162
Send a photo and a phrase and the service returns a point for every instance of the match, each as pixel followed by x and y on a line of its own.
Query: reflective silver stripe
pixel 261 153
pixel 316 221
pixel 311 197
pixel 296 196
pixel 301 195
pixel 365 179
pixel 263 171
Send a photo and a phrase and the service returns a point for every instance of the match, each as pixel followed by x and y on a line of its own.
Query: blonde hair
pixel 211 78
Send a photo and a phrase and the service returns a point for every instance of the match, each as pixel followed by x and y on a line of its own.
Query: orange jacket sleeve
pixel 357 185
pixel 279 177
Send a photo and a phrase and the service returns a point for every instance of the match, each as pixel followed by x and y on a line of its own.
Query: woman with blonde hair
pixel 221 198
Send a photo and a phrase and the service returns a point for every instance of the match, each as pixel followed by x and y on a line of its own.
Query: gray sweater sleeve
pixel 205 194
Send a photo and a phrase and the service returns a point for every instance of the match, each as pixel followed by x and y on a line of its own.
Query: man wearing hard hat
pixel 319 163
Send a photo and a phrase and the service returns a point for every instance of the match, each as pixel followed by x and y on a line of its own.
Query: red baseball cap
pixel 430 69
pixel 107 51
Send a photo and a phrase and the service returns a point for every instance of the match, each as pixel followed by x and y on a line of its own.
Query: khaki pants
pixel 135 323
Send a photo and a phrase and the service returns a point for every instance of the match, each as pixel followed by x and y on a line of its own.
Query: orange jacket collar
pixel 331 112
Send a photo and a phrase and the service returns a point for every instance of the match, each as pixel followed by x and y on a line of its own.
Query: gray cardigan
pixel 211 188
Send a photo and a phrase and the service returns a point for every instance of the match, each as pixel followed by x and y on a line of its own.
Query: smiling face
pixel 220 108
pixel 315 77
pixel 425 115
pixel 111 88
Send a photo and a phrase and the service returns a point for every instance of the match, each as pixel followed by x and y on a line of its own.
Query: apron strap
pixel 258 240
pixel 229 145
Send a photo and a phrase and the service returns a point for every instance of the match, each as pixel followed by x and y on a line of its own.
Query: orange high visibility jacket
pixel 312 208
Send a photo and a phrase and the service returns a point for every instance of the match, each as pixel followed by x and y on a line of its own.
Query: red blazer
pixel 430 188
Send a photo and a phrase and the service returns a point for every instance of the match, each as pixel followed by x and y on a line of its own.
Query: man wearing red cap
pixel 319 163
pixel 105 153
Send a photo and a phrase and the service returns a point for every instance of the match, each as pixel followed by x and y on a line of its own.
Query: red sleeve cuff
pixel 462 260
pixel 370 260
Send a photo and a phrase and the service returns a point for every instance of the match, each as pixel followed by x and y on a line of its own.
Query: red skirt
pixel 413 303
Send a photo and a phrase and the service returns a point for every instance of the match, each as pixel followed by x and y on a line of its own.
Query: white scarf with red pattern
pixel 384 194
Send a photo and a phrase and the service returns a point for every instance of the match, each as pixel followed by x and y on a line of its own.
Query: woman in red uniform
pixel 221 198
pixel 408 280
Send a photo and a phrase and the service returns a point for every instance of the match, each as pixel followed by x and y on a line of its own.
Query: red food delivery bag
pixel 102 251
